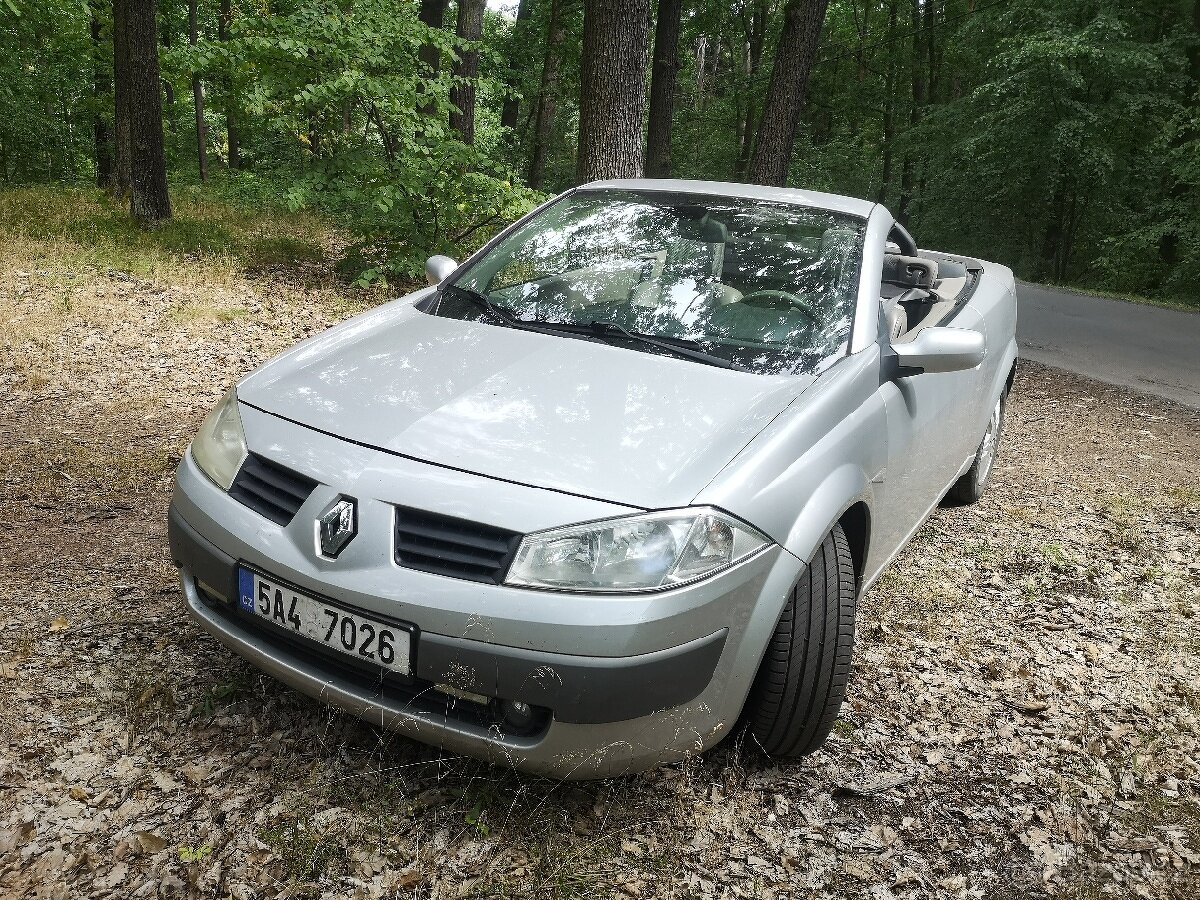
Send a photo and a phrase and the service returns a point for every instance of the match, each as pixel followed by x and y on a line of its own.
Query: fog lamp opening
pixel 518 717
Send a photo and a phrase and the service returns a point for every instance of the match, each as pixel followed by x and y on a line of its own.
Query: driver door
pixel 929 437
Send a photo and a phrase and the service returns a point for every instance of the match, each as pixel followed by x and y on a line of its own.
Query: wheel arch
pixel 856 523
pixel 841 498
pixel 844 498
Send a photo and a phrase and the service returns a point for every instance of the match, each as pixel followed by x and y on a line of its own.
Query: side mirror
pixel 438 269
pixel 940 350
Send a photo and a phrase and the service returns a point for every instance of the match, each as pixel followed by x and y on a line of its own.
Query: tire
pixel 801 681
pixel 970 487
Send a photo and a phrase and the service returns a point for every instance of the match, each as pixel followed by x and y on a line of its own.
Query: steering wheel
pixel 794 300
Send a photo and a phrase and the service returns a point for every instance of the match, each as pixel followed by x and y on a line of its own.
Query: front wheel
pixel 801 682
pixel 970 487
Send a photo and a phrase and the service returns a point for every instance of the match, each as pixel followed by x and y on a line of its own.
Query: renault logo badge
pixel 337 527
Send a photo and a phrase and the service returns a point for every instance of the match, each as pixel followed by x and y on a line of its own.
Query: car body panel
pixel 565 750
pixel 366 576
pixel 812 462
pixel 573 415
pixel 529 432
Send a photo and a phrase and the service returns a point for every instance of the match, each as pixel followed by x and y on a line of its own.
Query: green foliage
pixel 195 854
pixel 46 72
pixel 348 124
pixel 444 202
pixel 1057 137
pixel 1058 128
pixel 1061 137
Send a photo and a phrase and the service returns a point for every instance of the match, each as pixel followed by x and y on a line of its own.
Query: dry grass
pixel 84 294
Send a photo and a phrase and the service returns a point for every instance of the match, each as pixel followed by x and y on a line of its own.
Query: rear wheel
pixel 970 487
pixel 801 682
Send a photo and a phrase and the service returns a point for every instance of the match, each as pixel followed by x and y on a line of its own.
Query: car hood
pixel 572 415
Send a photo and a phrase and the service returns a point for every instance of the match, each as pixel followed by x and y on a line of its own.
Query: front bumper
pixel 579 689
pixel 629 681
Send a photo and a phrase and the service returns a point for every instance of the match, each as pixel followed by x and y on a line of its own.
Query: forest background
pixel 1061 137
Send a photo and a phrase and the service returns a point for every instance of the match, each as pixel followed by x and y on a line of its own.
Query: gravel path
pixel 1022 719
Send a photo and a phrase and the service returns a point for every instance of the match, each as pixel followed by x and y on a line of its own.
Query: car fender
pixel 797 479
pixel 815 460
pixel 842 489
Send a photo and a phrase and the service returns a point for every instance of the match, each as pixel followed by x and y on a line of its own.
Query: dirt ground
pixel 1022 717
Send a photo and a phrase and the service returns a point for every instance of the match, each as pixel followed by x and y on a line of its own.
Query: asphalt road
pixel 1148 348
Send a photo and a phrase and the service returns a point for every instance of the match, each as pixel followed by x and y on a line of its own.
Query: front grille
pixel 271 490
pixel 454 547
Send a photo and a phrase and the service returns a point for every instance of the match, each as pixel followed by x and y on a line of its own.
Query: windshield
pixel 769 287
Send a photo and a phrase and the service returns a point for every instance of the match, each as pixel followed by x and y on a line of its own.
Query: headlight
pixel 220 447
pixel 638 553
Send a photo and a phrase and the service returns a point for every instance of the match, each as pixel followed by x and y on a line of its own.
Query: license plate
pixel 351 633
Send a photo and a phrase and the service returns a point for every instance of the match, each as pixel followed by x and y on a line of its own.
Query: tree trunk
pixel 233 152
pixel 889 112
pixel 547 103
pixel 198 96
pixel 1052 237
pixel 148 198
pixel 101 85
pixel 756 38
pixel 433 14
pixel 121 117
pixel 1168 244
pixel 511 111
pixel 908 174
pixel 662 88
pixel 612 100
pixel 466 70
pixel 1194 48
pixel 932 56
pixel 802 23
pixel 168 88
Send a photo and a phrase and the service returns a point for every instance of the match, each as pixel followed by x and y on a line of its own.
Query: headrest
pixel 697 224
pixel 908 271
pixel 713 231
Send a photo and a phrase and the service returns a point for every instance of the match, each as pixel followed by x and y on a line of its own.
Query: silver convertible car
pixel 609 489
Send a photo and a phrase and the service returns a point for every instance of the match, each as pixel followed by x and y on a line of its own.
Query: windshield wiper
pixel 681 347
pixel 503 313
pixel 483 301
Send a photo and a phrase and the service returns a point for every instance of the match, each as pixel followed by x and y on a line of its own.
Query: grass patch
pixel 508 835
pixel 75 273
pixel 221 695
pixel 922 603
pixel 1127 527
pixel 305 850
pixel 100 232
pixel 1152 812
